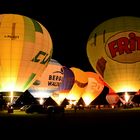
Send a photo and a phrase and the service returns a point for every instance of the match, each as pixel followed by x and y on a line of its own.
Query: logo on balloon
pixel 41 57
pixel 11 36
pixel 124 47
pixel 55 79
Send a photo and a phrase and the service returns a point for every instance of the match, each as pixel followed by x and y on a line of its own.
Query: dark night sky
pixel 70 23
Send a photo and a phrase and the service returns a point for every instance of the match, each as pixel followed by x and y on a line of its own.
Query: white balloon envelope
pixel 49 81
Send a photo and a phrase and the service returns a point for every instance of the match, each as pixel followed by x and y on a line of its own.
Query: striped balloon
pixel 25 50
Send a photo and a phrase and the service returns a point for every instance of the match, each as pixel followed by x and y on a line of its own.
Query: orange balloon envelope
pixel 81 81
pixel 94 87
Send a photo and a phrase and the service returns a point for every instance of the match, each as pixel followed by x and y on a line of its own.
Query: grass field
pixel 83 121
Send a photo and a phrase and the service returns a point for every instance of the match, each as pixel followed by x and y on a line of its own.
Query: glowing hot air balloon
pixel 112 98
pixel 49 81
pixel 67 81
pixel 25 50
pixel 81 81
pixel 113 49
pixel 94 87
pixel 65 86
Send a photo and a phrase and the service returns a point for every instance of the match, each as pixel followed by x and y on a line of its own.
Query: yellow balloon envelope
pixel 25 50
pixel 113 49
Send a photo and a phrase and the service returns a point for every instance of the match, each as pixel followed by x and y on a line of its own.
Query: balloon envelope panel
pixel 113 49
pixel 49 81
pixel 81 81
pixel 94 87
pixel 112 98
pixel 25 50
pixel 66 85
pixel 67 81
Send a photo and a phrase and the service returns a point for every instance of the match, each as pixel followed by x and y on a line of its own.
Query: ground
pixel 81 122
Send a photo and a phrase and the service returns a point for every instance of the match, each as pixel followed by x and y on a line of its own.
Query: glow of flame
pixel 126 97
pixel 41 101
pixel 72 102
pixel 11 97
pixel 125 87
pixel 87 100
pixel 59 97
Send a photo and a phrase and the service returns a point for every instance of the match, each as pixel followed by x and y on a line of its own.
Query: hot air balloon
pixel 113 49
pixel 65 86
pixel 94 87
pixel 67 81
pixel 25 50
pixel 81 81
pixel 49 81
pixel 112 98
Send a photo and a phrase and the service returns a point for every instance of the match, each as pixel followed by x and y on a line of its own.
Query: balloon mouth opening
pixel 11 96
pixel 126 97
pixel 130 93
